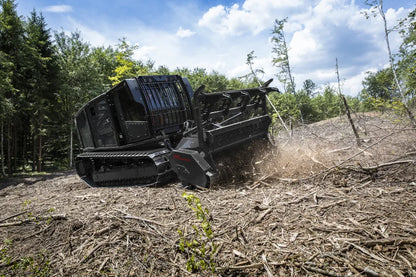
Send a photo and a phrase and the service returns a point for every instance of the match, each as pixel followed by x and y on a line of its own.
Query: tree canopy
pixel 47 75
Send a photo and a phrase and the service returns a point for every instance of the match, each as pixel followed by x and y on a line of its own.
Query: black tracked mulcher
pixel 154 129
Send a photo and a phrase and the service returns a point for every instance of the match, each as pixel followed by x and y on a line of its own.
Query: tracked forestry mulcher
pixel 152 129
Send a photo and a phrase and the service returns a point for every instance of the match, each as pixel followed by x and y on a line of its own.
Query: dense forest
pixel 47 75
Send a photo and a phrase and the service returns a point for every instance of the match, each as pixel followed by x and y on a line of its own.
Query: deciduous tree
pixel 407 54
pixel 281 58
pixel 77 76
pixel 377 8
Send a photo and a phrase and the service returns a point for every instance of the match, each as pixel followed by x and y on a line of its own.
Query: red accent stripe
pixel 178 157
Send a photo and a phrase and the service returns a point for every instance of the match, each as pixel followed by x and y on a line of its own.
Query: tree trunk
pixel 339 86
pixel 3 171
pixel 347 109
pixel 40 153
pixel 292 81
pixel 24 154
pixel 9 158
pixel 15 147
pixel 71 142
pixel 267 97
pixel 393 69
pixel 34 151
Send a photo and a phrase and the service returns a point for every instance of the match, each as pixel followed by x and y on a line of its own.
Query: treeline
pixel 46 76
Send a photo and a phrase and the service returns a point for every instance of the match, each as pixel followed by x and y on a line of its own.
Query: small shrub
pixel 198 246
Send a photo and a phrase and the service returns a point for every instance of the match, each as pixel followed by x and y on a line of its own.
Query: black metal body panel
pixel 134 111
pixel 237 133
pixel 149 129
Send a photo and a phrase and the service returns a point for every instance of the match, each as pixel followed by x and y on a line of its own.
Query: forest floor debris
pixel 316 205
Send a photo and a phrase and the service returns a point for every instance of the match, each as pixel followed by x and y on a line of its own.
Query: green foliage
pixel 287 106
pixel 83 73
pixel 330 105
pixel 104 61
pixel 281 58
pixel 44 81
pixel 309 87
pixel 213 81
pixel 13 64
pixel 6 73
pixel 304 104
pixel 380 104
pixel 380 92
pixel 4 257
pixel 252 77
pixel 127 67
pixel 355 104
pixel 77 72
pixel 198 246
pixel 380 84
pixel 407 54
pixel 314 106
pixel 35 266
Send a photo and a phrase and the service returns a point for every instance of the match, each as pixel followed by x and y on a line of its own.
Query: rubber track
pixel 125 154
pixel 158 156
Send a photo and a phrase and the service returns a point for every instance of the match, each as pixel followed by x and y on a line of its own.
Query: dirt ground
pixel 317 204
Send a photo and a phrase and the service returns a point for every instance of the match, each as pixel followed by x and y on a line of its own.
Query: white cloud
pixel 90 35
pixel 254 16
pixel 334 29
pixel 143 53
pixel 184 33
pixel 317 32
pixel 213 19
pixel 353 85
pixel 58 9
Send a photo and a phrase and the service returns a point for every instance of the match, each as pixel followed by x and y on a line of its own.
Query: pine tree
pixel 42 83
pixel 5 105
pixel 12 66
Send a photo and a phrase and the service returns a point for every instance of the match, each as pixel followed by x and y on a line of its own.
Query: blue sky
pixel 218 35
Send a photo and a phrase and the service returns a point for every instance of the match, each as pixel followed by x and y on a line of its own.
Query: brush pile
pixel 318 204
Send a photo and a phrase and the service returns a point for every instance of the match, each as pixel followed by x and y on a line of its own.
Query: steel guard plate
pixel 191 167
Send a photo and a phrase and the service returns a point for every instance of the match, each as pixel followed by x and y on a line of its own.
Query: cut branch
pixel 389 241
pixel 12 216
pixel 387 164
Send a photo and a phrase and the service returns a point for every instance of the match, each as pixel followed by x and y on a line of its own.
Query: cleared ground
pixel 317 204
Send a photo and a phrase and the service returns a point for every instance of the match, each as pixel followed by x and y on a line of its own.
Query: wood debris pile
pixel 321 206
